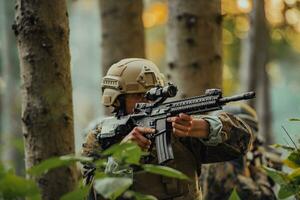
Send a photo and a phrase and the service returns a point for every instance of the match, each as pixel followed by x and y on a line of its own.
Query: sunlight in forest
pixel 290 2
pixel 242 24
pixel 292 16
pixel 274 11
pixel 155 14
pixel 244 5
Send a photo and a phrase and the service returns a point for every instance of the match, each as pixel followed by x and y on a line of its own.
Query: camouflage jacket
pixel 218 180
pixel 189 154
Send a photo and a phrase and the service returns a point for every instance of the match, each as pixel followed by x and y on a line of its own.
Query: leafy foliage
pixel 289 182
pixel 56 162
pixel 126 155
pixel 14 187
pixel 164 171
pixel 294 119
pixel 112 187
pixel 81 192
pixel 110 183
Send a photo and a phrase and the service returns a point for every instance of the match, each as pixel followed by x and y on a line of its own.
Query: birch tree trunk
pixel 253 68
pixel 11 111
pixel 194 47
pixel 122 31
pixel 42 31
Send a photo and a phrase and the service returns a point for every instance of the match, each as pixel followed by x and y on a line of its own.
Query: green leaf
pixel 278 176
pixel 116 148
pixel 111 187
pixel 56 162
pixel 294 119
pixel 100 163
pixel 78 194
pixel 128 152
pixel 234 195
pixel 13 187
pixel 287 190
pixel 295 173
pixel 294 157
pixel 138 196
pixel 165 171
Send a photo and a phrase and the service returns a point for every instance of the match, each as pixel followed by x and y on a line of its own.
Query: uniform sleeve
pixel 90 148
pixel 234 140
pixel 215 128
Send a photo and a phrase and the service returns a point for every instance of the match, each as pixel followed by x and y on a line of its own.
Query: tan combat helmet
pixel 129 76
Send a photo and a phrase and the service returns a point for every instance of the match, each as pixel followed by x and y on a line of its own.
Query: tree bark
pixel 122 31
pixel 11 111
pixel 42 31
pixel 194 47
pixel 253 68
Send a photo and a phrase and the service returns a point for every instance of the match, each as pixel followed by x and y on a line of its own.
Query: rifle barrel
pixel 244 96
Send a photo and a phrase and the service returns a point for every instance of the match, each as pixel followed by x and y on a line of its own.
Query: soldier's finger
pixel 144 130
pixel 180 127
pixel 139 137
pixel 140 143
pixel 172 119
pixel 180 133
pixel 183 122
pixel 186 117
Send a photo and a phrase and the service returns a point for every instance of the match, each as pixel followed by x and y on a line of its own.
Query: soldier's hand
pixel 186 126
pixel 138 135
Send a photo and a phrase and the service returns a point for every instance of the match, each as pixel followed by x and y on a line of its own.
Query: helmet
pixel 245 112
pixel 128 76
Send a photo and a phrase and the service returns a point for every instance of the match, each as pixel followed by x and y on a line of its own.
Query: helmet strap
pixel 120 110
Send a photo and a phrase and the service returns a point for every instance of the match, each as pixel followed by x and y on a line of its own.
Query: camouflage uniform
pixel 189 153
pixel 228 137
pixel 218 180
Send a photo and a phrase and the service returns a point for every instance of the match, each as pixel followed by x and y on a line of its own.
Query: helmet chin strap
pixel 120 106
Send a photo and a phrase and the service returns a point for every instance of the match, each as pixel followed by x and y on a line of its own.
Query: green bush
pixel 126 155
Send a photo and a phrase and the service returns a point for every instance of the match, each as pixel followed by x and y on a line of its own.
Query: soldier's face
pixel 132 99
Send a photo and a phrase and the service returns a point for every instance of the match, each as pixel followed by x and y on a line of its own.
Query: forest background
pixel 283 21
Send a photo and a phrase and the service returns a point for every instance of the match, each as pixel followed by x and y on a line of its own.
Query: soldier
pixel 244 173
pixel 195 139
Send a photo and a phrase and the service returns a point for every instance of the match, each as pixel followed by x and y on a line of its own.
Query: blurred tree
pixel 12 154
pixel 42 32
pixel 194 48
pixel 122 31
pixel 253 67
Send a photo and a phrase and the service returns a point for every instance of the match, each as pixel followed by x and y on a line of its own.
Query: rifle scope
pixel 161 92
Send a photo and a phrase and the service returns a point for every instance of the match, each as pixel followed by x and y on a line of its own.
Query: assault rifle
pixel 154 115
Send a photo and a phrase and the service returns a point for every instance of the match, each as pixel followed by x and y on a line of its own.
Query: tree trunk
pixel 12 156
pixel 253 67
pixel 42 31
pixel 194 47
pixel 122 31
